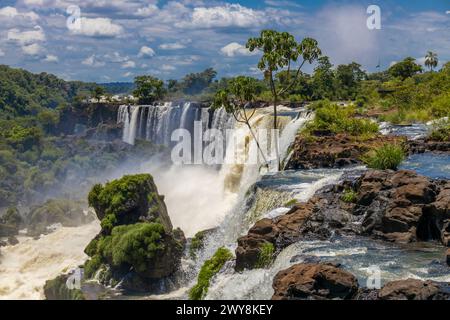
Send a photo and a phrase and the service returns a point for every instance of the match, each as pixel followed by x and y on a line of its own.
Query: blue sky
pixel 115 40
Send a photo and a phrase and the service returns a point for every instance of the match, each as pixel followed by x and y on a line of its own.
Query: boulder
pixel 57 289
pixel 412 289
pixel 137 245
pixel 326 150
pixel 314 282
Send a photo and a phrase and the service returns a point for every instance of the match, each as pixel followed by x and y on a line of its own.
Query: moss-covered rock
pixel 131 199
pixel 137 245
pixel 57 289
pixel 198 242
pixel 210 268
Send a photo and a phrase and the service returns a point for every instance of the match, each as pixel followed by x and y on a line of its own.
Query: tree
pixel 98 93
pixel 239 94
pixel 431 60
pixel 195 83
pixel 323 79
pixel 348 77
pixel 148 89
pixel 405 69
pixel 281 50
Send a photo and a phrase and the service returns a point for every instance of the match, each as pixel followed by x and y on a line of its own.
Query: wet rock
pixel 412 289
pixel 314 281
pixel 399 206
pixel 427 145
pixel 447 256
pixel 137 245
pixel 57 289
pixel 326 150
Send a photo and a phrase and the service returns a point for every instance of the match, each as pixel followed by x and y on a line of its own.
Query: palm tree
pixel 431 60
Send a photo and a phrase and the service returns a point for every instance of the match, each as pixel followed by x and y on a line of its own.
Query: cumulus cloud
pixel 230 15
pixel 50 58
pixel 129 64
pixel 172 46
pixel 2 53
pixel 147 11
pixel 146 52
pixel 98 27
pixel 13 13
pixel 93 61
pixel 235 49
pixel 26 37
pixel 32 49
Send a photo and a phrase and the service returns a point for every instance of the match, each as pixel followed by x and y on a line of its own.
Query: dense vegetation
pixel 209 269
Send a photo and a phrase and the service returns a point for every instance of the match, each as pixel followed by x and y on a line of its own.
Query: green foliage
pixel 431 60
pixel 405 69
pixel 265 257
pixel 388 156
pixel 114 199
pixel 349 196
pixel 441 131
pixel 133 245
pixel 148 89
pixel 197 243
pixel 56 289
pixel 12 217
pixel 290 203
pixel 210 268
pixel 336 119
pixel 91 266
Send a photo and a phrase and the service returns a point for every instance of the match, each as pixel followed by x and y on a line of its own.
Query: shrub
pixel 349 195
pixel 441 131
pixel 265 255
pixel 208 270
pixel 388 156
pixel 197 243
pixel 337 119
pixel 91 266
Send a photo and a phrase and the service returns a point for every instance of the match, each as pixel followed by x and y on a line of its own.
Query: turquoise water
pixel 433 165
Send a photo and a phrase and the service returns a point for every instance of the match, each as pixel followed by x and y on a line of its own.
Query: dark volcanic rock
pixel 314 281
pixel 332 151
pixel 426 145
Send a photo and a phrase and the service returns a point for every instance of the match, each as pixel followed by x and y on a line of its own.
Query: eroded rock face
pixel 332 151
pixel 318 281
pixel 314 281
pixel 427 145
pixel 399 206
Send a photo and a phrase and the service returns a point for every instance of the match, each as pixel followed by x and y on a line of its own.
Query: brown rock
pixel 411 289
pixel 447 255
pixel 314 281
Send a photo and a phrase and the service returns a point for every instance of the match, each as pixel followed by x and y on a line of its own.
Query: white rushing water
pixel 26 266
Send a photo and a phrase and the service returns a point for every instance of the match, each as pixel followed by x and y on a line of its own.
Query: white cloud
pixel 13 13
pixel 230 15
pixel 51 58
pixel 93 61
pixel 26 37
pixel 172 46
pixel 146 52
pixel 127 74
pixel 235 49
pixel 32 49
pixel 116 57
pixel 98 27
pixel 129 64
pixel 167 67
pixel 147 11
pixel 2 53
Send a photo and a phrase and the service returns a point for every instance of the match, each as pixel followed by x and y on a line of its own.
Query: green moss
pixel 265 256
pixel 388 156
pixel 117 198
pixel 132 245
pixel 208 270
pixel 290 203
pixel 56 289
pixel 92 266
pixel 197 243
pixel 349 196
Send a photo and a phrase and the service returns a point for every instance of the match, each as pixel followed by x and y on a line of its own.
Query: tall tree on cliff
pixel 148 89
pixel 236 99
pixel 280 51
